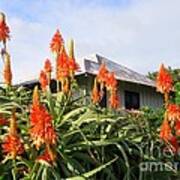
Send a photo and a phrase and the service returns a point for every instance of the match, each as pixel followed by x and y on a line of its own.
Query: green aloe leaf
pixel 93 172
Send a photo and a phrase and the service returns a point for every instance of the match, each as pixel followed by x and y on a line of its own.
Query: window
pixel 132 100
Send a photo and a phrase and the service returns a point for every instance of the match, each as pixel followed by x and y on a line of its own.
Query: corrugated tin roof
pixel 92 63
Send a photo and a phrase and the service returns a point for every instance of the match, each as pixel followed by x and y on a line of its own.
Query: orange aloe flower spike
pixel 114 100
pixel 12 144
pixel 43 79
pixel 47 66
pixel 173 111
pixel 111 82
pixel 4 29
pixel 164 81
pixel 165 132
pixel 62 67
pixel 95 95
pixel 42 130
pixel 7 70
pixel 177 127
pixel 56 42
pixel 102 74
pixel 48 157
pixel 36 98
pixel 174 144
pixel 48 70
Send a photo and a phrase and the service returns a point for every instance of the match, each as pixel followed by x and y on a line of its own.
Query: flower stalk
pixel 7 73
pixel 164 85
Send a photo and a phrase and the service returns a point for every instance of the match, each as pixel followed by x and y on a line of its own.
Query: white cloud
pixel 141 34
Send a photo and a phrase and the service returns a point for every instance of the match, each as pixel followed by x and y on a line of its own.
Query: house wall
pixel 84 82
pixel 148 95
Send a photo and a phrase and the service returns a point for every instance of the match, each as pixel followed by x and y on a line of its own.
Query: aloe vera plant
pixel 47 135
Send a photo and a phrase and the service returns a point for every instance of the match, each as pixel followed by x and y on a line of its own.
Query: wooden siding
pixel 148 95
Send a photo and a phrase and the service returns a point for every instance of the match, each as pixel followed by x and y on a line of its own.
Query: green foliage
pixel 177 93
pixel 93 142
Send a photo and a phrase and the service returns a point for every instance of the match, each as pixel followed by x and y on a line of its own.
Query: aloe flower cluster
pixel 44 136
pixel 4 37
pixel 65 63
pixel 12 143
pixel 42 131
pixel 171 123
pixel 4 29
pixel 105 79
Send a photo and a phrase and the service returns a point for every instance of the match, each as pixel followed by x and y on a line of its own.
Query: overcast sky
pixel 139 34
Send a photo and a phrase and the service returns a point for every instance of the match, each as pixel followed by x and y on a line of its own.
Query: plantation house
pixel 135 90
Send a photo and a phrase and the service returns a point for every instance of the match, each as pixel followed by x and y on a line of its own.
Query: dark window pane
pixel 132 100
